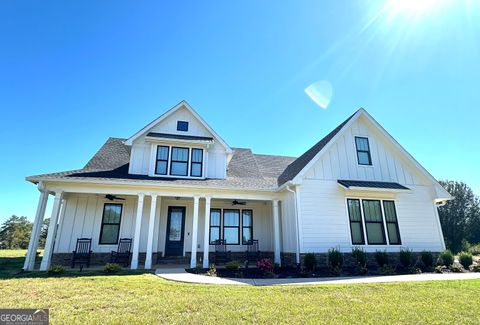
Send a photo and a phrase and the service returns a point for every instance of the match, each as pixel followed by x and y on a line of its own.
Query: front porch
pixel 168 227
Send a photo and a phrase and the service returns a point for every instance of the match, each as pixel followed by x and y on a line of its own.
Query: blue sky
pixel 73 73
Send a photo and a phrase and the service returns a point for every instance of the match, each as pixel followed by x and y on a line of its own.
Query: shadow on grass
pixel 11 268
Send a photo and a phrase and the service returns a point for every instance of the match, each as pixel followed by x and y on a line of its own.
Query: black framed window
pixel 161 160
pixel 215 217
pixel 179 161
pixel 392 223
pixel 247 226
pixel 363 151
pixel 110 229
pixel 355 217
pixel 197 162
pixel 372 212
pixel 231 226
pixel 182 126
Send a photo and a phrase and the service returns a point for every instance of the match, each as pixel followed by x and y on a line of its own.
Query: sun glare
pixel 413 7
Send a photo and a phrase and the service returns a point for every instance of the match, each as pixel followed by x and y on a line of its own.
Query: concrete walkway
pixel 180 275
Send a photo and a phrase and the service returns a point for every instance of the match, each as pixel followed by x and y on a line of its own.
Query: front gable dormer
pixel 179 144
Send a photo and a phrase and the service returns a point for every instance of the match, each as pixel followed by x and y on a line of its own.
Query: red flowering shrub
pixel 265 264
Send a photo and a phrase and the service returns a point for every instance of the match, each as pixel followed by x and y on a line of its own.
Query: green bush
pixel 382 258
pixel 475 249
pixel 309 262
pixel 387 270
pixel 233 265
pixel 212 271
pixel 405 257
pixel 465 259
pixel 360 256
pixel 56 269
pixel 112 268
pixel 335 258
pixel 427 258
pixel 414 270
pixel 446 258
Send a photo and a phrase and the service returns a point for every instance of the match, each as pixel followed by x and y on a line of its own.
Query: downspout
pixel 297 250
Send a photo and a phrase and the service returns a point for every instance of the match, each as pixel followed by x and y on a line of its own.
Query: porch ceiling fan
pixel 235 202
pixel 112 197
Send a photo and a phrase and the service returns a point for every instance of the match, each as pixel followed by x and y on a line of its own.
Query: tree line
pixel 15 233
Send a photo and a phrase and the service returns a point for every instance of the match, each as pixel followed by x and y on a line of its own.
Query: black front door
pixel 175 231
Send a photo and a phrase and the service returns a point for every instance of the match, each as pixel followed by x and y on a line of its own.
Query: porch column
pixel 193 259
pixel 52 230
pixel 136 236
pixel 276 233
pixel 206 236
pixel 151 226
pixel 37 226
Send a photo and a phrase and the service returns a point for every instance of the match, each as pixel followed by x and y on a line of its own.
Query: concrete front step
pixel 173 260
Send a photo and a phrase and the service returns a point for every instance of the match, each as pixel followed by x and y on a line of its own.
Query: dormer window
pixel 182 126
pixel 363 151
pixel 162 160
pixel 197 162
pixel 175 161
pixel 179 165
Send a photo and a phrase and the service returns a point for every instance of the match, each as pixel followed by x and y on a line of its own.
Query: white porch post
pixel 52 230
pixel 276 232
pixel 193 258
pixel 151 226
pixel 206 236
pixel 37 225
pixel 136 236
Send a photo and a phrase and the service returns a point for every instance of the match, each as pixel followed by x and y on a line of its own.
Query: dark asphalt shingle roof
pixel 371 184
pixel 177 136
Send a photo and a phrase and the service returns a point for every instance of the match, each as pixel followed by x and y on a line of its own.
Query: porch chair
pixel 221 253
pixel 82 252
pixel 252 254
pixel 123 252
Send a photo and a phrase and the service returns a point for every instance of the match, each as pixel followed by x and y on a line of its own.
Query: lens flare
pixel 320 92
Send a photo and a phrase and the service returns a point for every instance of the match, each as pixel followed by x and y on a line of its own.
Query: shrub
pixel 475 249
pixel 427 258
pixel 446 258
pixel 335 260
pixel 414 270
pixel 465 259
pixel 56 269
pixel 212 271
pixel 309 261
pixel 197 269
pixel 387 270
pixel 233 265
pixel 360 256
pixel 266 265
pixel 112 268
pixel 405 257
pixel 381 257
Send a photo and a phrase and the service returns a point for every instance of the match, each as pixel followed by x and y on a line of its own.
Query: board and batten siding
pixel 324 218
pixel 81 216
pixel 142 151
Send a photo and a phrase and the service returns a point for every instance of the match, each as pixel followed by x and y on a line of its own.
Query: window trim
pixel 362 231
pixel 363 151
pixel 210 226
pixel 237 227
pixel 109 223
pixel 157 160
pixel 179 161
pixel 397 228
pixel 249 227
pixel 184 123
pixel 192 162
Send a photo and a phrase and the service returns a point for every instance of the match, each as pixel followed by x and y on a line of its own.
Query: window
pixel 110 228
pixel 182 126
pixel 363 151
pixel 215 215
pixel 197 163
pixel 247 226
pixel 392 223
pixel 162 160
pixel 231 226
pixel 355 216
pixel 372 213
pixel 179 164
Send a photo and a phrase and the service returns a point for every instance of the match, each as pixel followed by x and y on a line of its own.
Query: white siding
pixel 288 224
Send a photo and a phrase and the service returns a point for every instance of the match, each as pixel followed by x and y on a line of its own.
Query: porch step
pixel 173 260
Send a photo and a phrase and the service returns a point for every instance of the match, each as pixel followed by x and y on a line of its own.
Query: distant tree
pixel 15 233
pixel 43 233
pixel 460 217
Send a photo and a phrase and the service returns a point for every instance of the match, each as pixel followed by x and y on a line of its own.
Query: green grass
pixel 145 298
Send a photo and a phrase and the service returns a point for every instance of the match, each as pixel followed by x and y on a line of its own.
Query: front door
pixel 175 231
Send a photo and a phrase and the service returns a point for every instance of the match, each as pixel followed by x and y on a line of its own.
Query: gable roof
pixel 183 103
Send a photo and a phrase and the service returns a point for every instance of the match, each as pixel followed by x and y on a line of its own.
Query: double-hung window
pixel 112 214
pixel 392 223
pixel 179 162
pixel 231 226
pixel 372 212
pixel 215 217
pixel 162 160
pixel 247 226
pixel 363 151
pixel 197 163
pixel 355 216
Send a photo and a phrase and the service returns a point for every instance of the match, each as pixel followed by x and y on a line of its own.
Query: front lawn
pixel 145 298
